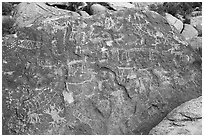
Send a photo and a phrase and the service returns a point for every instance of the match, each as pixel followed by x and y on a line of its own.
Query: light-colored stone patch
pixel 189 32
pixel 183 120
pixel 178 24
pixel 68 97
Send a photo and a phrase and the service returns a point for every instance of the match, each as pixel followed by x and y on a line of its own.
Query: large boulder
pixel 183 120
pixel 116 73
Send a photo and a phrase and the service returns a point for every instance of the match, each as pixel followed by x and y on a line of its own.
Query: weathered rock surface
pixel 117 73
pixel 189 32
pixel 7 23
pixel 196 42
pixel 183 120
pixel 28 13
pixel 178 24
pixel 197 23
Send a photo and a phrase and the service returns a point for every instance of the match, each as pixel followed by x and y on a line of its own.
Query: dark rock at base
pixel 57 71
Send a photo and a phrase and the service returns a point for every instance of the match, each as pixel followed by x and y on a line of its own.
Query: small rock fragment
pixel 97 9
pixel 83 13
pixel 178 24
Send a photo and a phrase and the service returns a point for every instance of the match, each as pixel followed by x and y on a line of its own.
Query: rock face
pixel 183 120
pixel 118 73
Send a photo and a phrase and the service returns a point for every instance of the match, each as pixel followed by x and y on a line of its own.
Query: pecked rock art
pixel 117 73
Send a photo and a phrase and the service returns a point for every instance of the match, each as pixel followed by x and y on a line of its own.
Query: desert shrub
pixel 7 20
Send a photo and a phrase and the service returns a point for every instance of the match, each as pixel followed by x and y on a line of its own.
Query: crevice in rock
pixel 189 118
pixel 116 81
pixel 65 7
pixel 182 28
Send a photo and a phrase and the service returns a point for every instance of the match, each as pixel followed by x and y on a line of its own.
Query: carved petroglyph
pixel 114 72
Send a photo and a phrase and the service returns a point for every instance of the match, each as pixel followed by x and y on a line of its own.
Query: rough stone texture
pixel 27 13
pixel 178 24
pixel 196 42
pixel 197 23
pixel 117 73
pixel 189 32
pixel 183 120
